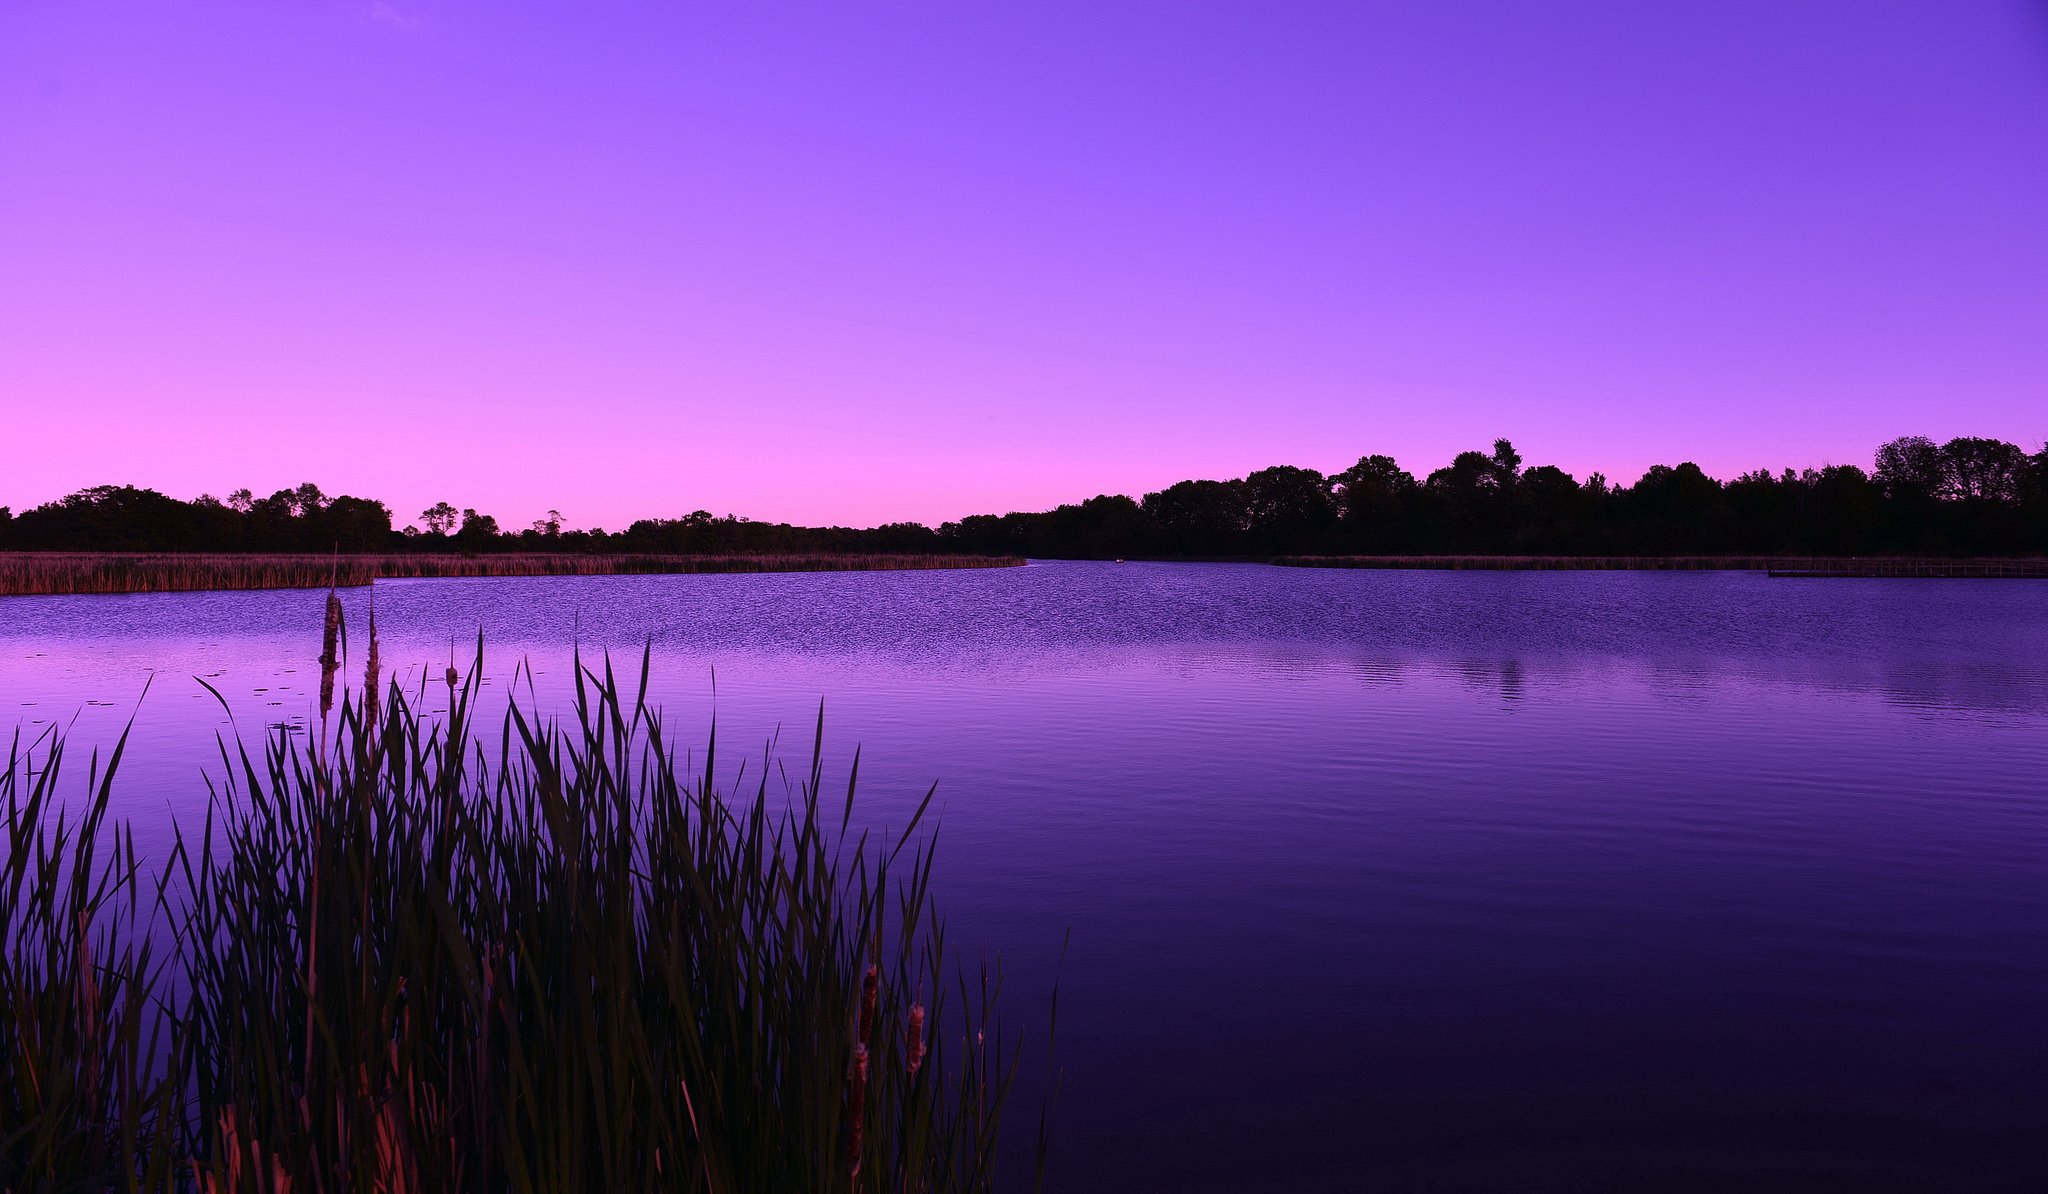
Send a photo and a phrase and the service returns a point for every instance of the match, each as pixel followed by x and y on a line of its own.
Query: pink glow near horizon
pixel 837 265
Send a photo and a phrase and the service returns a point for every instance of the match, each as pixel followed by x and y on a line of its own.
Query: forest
pixel 1966 497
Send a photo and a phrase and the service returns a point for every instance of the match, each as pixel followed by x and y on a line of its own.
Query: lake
pixel 1375 880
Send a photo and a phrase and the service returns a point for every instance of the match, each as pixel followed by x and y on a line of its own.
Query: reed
pixel 525 564
pixel 88 1097
pixel 418 955
pixel 58 573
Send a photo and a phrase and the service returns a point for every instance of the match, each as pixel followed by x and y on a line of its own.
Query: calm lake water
pixel 1376 880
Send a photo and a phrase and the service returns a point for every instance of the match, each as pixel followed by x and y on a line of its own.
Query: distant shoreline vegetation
pixel 24 574
pixel 1968 497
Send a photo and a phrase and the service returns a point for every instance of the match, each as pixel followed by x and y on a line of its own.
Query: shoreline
pixel 73 574
pixel 1842 567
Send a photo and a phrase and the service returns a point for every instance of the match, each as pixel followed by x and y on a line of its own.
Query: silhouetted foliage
pixel 1288 509
pixel 1969 496
pixel 439 518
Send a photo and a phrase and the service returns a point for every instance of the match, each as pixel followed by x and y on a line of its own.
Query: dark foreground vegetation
pixel 1967 497
pixel 29 573
pixel 406 956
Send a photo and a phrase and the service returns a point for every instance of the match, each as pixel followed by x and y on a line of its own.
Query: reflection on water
pixel 1407 880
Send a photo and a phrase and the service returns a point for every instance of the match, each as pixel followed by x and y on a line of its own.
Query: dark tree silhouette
pixel 439 518
pixel 1912 465
pixel 1985 469
pixel 479 532
pixel 1970 495
pixel 1287 510
pixel 1375 501
pixel 1200 517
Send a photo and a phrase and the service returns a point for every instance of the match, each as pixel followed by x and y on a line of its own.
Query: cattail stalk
pixel 857 1110
pixel 913 1038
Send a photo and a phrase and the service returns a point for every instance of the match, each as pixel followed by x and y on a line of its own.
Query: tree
pixel 478 532
pixel 439 518
pixel 1987 469
pixel 1374 500
pixel 1287 509
pixel 1113 526
pixel 1550 510
pixel 1507 464
pixel 1466 496
pixel 551 526
pixel 351 524
pixel 109 518
pixel 1912 466
pixel 1678 509
pixel 307 499
pixel 1200 517
pixel 1844 509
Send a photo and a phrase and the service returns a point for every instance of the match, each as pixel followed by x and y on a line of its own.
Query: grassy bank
pixel 1789 565
pixel 47 573
pixel 405 955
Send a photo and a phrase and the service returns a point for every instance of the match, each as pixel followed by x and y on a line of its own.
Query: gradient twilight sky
pixel 859 263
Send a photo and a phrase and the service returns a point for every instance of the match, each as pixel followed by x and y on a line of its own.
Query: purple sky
pixel 858 263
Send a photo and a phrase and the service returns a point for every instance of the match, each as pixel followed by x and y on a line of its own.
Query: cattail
pixel 330 661
pixel 913 1038
pixel 870 995
pixel 857 1108
pixel 370 676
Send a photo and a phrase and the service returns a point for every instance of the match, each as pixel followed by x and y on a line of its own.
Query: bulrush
pixel 371 677
pixel 913 1039
pixel 531 957
pixel 870 998
pixel 330 658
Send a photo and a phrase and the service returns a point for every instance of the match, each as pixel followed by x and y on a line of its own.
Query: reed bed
pixel 1804 565
pixel 521 564
pixel 63 572
pixel 56 573
pixel 412 955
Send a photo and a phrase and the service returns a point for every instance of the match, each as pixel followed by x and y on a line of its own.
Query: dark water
pixel 1405 880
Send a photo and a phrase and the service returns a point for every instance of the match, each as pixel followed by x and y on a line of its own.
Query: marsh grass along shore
pixel 418 954
pixel 56 573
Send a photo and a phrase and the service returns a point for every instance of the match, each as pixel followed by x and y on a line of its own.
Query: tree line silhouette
pixel 1969 496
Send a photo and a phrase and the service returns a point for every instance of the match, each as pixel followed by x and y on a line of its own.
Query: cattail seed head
pixel 371 668
pixel 330 661
pixel 870 995
pixel 913 1040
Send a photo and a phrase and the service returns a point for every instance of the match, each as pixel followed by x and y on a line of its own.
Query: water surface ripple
pixel 1376 880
